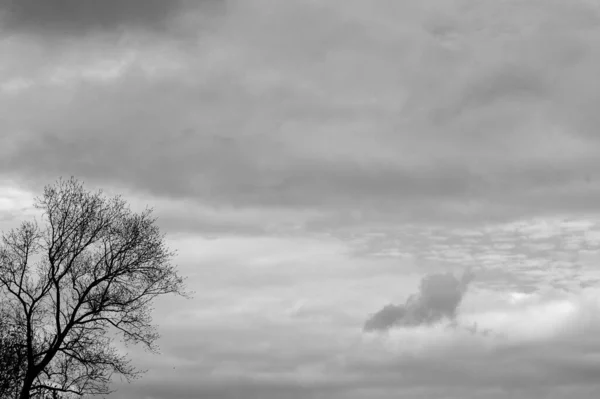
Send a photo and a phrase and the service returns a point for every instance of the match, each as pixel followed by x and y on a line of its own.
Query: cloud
pixel 438 298
pixel 541 343
pixel 543 340
pixel 72 18
pixel 463 113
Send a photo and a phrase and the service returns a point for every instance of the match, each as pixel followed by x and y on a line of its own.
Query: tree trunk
pixel 25 394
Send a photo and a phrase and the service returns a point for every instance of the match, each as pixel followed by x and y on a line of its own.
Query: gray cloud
pixel 438 298
pixel 77 17
pixel 462 369
pixel 444 119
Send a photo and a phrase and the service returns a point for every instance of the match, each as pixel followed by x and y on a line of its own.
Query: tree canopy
pixel 87 272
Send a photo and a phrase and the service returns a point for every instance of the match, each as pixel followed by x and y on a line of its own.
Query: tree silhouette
pixel 87 275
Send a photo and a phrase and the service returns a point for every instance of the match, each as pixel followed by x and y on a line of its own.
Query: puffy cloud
pixel 438 298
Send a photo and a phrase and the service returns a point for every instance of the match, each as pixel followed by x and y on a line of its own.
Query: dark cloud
pixel 224 171
pixel 254 114
pixel 259 170
pixel 438 298
pixel 76 17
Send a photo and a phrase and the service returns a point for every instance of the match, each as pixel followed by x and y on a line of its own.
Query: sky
pixel 371 199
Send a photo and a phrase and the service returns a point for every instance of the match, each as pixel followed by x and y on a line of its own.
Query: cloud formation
pixel 466 112
pixel 438 298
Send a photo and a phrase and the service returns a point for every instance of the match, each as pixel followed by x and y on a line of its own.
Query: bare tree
pixel 87 275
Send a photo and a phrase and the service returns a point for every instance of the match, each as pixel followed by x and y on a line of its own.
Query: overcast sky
pixel 372 199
